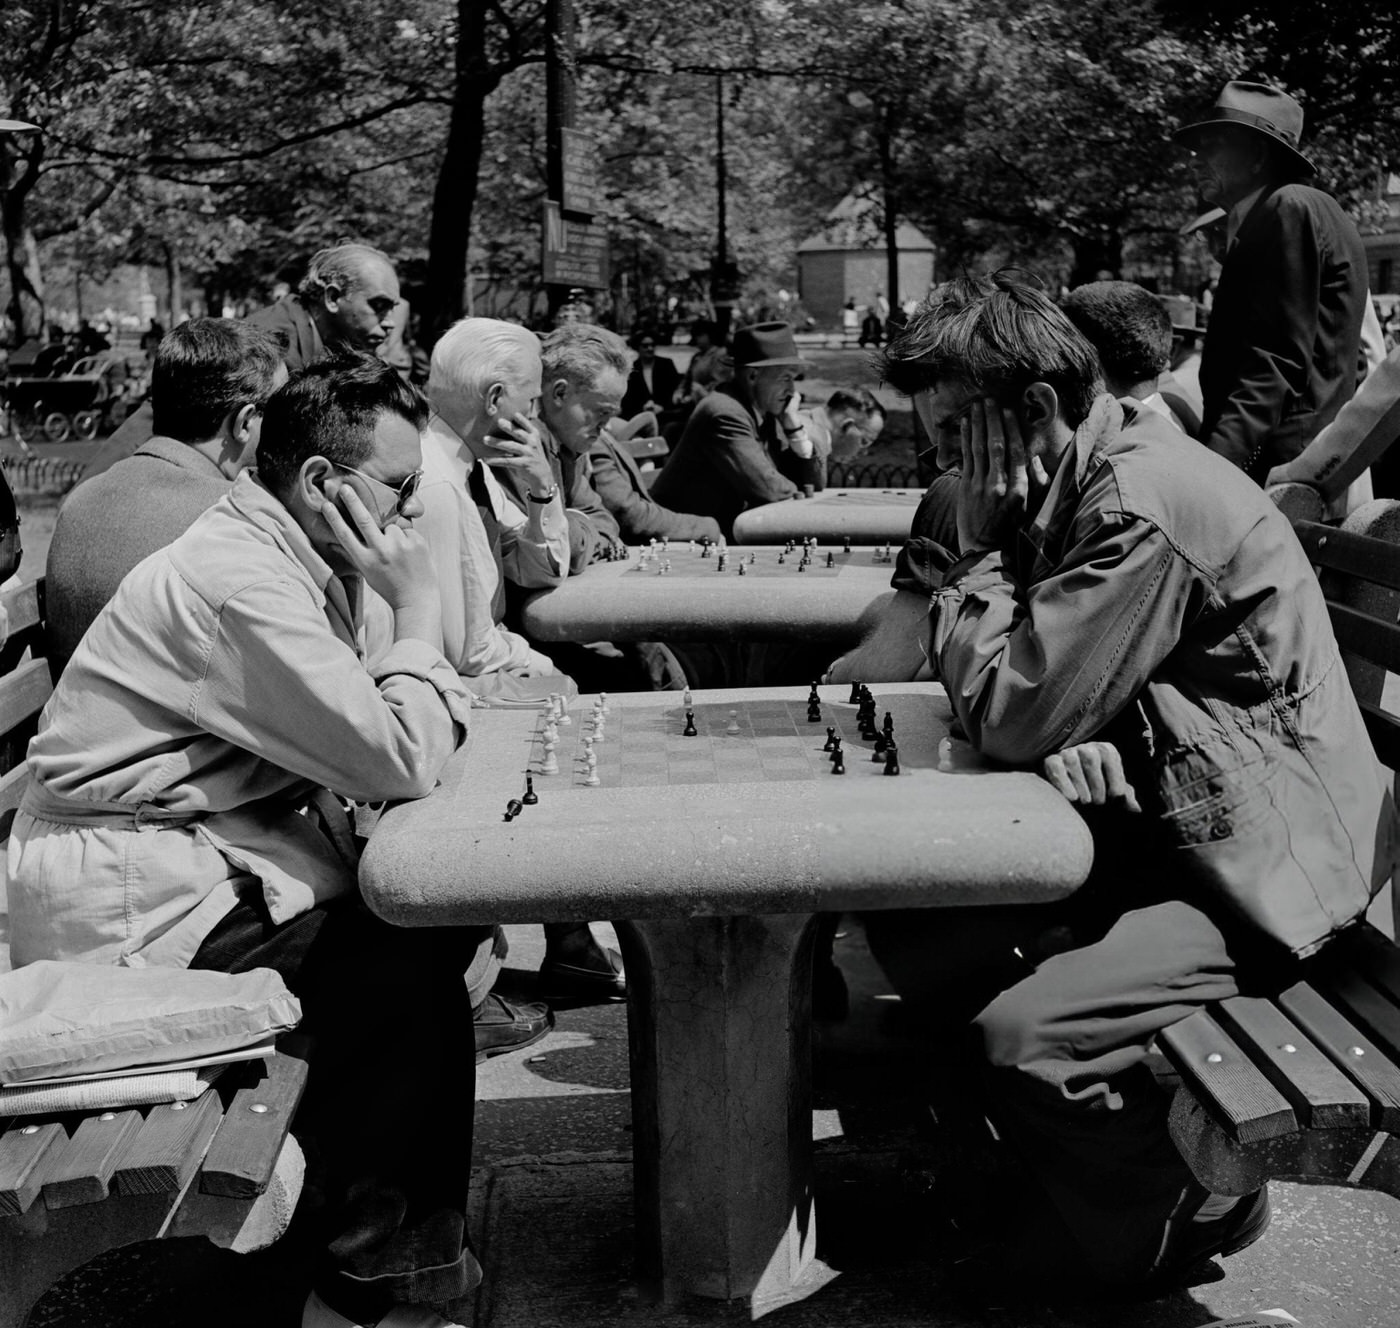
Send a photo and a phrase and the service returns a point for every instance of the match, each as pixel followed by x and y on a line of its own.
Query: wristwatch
pixel 544 497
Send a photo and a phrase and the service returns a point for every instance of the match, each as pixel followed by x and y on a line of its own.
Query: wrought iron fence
pixel 873 475
pixel 41 474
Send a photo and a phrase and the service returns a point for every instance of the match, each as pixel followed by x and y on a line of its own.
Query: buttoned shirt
pixel 473 639
pixel 220 688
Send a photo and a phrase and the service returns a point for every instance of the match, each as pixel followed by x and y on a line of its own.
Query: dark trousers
pixel 1061 1052
pixel 389 1101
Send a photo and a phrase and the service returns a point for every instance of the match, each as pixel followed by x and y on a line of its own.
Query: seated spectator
pixel 710 365
pixel 164 822
pixel 654 381
pixel 1132 335
pixel 209 383
pixel 723 462
pixel 485 384
pixel 1107 594
pixel 584 371
pixel 849 424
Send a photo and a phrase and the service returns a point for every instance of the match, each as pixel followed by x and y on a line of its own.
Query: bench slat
pixel 241 1160
pixel 1349 553
pixel 1358 999
pixel 1377 959
pixel 1359 633
pixel 23 692
pixel 1384 729
pixel 1338 1037
pixel 1246 1104
pixel 82 1172
pixel 1321 1095
pixel 25 1153
pixel 170 1146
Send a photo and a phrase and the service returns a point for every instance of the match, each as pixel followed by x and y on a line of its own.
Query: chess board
pixel 719 823
pixel 773 740
pixel 866 516
pixel 823 560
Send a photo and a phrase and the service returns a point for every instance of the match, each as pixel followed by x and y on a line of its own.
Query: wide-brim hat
pixel 760 344
pixel 1267 110
pixel 16 126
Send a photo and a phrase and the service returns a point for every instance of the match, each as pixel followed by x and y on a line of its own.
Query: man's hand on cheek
pixel 996 476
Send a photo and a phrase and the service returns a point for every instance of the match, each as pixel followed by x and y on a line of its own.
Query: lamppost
pixel 724 273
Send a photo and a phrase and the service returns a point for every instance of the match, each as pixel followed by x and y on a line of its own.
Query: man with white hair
pixel 484 386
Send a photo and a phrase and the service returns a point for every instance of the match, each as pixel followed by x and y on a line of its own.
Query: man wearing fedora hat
pixel 723 463
pixel 1281 348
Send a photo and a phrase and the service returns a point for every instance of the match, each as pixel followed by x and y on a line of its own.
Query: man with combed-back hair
pixel 179 813
pixel 209 383
pixel 1136 618
pixel 346 301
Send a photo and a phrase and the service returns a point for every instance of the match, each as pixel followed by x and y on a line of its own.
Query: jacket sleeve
pixel 638 516
pixel 738 454
pixel 583 501
pixel 1031 669
pixel 1277 330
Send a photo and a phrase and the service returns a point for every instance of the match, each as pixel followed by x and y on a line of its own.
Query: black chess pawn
pixel 814 697
pixel 830 559
pixel 854 698
pixel 741 569
pixel 888 725
pixel 846 545
pixel 530 797
pixel 689 730
pixel 836 750
pixel 513 809
pixel 892 758
pixel 830 738
pixel 782 558
pixel 838 764
pixel 882 740
pixel 802 566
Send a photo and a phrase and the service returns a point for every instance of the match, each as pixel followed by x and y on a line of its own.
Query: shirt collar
pixel 1105 420
pixel 256 504
pixel 179 454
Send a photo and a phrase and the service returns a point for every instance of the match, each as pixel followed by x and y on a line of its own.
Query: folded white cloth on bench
pixel 128 1090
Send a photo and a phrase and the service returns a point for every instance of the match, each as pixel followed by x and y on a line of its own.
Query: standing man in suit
pixel 723 463
pixel 1281 349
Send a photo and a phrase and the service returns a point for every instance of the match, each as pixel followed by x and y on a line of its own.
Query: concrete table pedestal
pixel 719 1022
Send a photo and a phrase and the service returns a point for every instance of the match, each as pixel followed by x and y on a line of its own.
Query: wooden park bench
pixel 75 1184
pixel 1307 1085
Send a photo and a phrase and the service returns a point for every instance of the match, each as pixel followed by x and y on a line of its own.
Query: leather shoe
pixel 1190 1244
pixel 503 1025
pixel 599 978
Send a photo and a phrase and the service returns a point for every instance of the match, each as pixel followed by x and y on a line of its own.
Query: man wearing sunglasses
pixel 209 383
pixel 179 812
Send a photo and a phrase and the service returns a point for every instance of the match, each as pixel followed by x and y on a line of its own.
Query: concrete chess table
pixel 714 853
pixel 864 516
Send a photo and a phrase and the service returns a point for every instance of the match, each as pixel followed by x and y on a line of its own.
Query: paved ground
pixel 552 1210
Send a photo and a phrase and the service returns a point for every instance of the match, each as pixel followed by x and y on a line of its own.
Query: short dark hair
pixel 1126 325
pixel 857 400
pixel 999 333
pixel 330 409
pixel 205 370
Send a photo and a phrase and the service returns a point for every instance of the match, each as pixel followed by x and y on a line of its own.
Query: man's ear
pixel 316 483
pixel 240 422
pixel 330 297
pixel 558 390
pixel 1040 408
pixel 491 400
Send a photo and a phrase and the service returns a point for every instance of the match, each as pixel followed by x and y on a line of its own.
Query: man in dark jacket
pixel 723 463
pixel 1282 346
pixel 210 379
pixel 346 299
pixel 619 482
pixel 654 380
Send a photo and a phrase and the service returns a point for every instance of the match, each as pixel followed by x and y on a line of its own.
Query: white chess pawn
pixel 591 775
pixel 550 764
pixel 602 702
pixel 687 700
pixel 733 725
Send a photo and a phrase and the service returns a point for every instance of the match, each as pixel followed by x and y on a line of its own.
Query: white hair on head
pixel 472 355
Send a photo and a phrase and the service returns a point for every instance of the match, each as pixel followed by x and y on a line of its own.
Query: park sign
pixel 580 196
pixel 575 252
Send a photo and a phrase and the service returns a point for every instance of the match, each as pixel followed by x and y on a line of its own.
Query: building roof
pixel 854 224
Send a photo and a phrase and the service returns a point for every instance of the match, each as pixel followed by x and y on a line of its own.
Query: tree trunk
pixel 890 211
pixel 21 253
pixel 455 194
pixel 1095 253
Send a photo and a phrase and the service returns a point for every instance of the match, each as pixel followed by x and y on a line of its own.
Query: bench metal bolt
pixel 178 1106
pixel 1288 1047
pixel 1357 1051
pixel 30 1129
pixel 1214 1058
pixel 258 1107
pixel 108 1115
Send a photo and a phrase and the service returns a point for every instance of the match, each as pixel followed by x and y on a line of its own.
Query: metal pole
pixel 720 180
